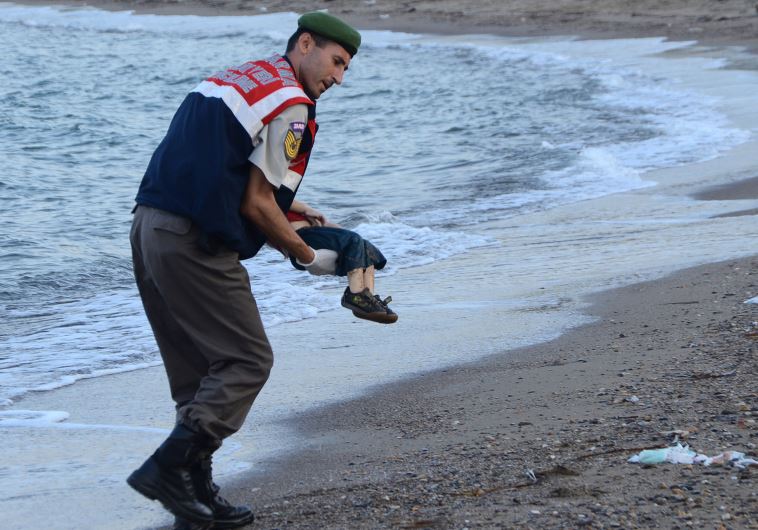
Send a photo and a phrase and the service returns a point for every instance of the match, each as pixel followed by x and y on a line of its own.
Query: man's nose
pixel 338 74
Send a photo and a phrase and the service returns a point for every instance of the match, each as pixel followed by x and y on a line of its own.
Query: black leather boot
pixel 225 515
pixel 165 476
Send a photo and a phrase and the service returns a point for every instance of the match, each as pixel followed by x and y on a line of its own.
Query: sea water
pixel 427 148
pixel 412 153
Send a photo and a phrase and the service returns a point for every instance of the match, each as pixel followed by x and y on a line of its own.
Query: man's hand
pixel 324 262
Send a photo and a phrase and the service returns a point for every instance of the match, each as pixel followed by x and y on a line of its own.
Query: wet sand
pixel 744 189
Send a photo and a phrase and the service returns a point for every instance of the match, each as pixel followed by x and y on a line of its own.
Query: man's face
pixel 321 67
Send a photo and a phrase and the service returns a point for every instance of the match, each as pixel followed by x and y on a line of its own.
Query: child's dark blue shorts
pixel 353 252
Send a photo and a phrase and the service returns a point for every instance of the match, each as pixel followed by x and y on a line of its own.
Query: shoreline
pixel 668 359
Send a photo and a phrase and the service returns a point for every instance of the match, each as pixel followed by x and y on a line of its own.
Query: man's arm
pixel 259 206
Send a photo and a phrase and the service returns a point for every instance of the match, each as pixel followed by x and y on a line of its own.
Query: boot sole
pixel 224 525
pixel 155 494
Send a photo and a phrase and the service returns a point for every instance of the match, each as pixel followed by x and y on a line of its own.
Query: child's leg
pixel 368 278
pixel 359 279
pixel 356 280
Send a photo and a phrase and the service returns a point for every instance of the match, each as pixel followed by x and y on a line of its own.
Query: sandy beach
pixel 673 359
pixel 539 437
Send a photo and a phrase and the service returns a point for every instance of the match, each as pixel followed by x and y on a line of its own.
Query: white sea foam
pixel 690 128
pixel 101 335
pixel 56 419
pixel 12 418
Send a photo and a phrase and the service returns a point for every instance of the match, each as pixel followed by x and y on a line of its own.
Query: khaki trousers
pixel 205 321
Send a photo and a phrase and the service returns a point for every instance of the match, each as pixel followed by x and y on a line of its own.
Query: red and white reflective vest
pixel 201 168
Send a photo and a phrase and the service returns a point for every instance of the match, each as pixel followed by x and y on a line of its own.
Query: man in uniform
pixel 214 192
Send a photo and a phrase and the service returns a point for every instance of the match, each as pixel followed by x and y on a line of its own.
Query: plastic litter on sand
pixel 682 454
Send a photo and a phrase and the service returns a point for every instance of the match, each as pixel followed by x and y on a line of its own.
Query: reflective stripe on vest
pixel 256 91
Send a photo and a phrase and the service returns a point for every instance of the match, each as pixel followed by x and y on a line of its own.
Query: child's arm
pixel 314 217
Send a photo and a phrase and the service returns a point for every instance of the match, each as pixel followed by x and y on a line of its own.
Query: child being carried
pixel 357 259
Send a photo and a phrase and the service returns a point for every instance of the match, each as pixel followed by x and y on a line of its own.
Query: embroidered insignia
pixel 293 139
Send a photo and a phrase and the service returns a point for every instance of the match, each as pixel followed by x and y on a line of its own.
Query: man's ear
pixel 305 43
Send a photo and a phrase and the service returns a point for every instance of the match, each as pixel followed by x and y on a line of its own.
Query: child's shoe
pixel 367 306
pixel 385 303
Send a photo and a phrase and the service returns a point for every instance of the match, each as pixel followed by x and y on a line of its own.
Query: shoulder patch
pixel 293 138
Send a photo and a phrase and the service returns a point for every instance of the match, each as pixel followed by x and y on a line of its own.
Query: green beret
pixel 332 28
